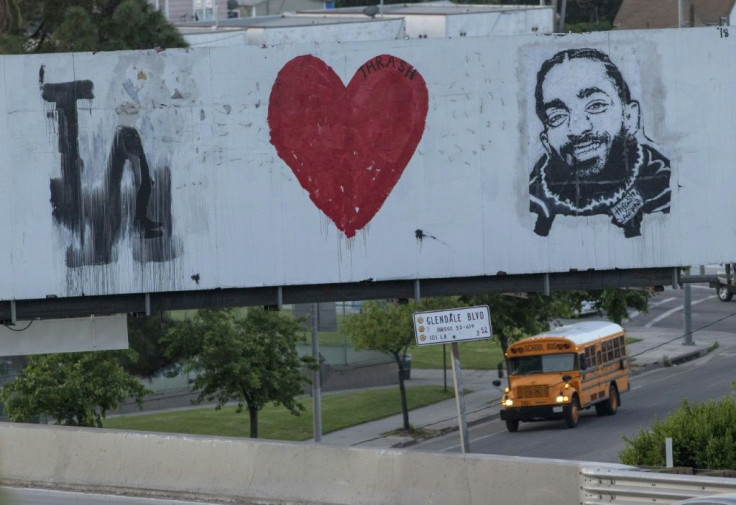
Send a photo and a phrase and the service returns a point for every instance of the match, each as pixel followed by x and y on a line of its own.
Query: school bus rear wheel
pixel 613 400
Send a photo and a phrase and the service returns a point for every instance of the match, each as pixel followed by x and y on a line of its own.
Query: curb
pixel 689 356
pixel 444 431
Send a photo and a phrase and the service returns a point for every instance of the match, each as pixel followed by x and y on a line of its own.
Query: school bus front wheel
pixel 572 415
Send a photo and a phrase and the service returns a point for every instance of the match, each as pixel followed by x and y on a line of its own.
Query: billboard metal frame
pixel 147 303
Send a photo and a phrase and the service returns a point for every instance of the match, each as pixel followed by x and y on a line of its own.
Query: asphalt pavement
pixel 655 348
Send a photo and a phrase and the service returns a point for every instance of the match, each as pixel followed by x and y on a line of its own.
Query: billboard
pixel 237 167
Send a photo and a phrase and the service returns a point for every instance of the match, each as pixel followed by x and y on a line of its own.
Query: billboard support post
pixel 457 378
pixel 453 326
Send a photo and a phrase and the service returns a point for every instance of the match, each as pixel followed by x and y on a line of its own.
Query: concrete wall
pixel 283 472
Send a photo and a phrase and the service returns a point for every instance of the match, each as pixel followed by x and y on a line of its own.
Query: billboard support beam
pixel 81 306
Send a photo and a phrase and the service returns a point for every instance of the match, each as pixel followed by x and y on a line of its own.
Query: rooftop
pixel 642 14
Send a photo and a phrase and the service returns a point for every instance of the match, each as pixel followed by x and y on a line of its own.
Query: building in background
pixel 446 19
pixel 642 14
pixel 178 11
pixel 388 22
pixel 290 29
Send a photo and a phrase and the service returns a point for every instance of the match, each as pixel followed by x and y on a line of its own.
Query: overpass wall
pixel 275 472
pixel 290 165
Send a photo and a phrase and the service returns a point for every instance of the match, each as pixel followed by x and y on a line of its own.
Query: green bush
pixel 703 436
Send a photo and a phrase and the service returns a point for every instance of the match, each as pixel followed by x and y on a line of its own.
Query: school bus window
pixel 542 364
pixel 590 355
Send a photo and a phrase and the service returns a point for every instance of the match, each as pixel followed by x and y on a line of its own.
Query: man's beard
pixel 593 166
pixel 588 182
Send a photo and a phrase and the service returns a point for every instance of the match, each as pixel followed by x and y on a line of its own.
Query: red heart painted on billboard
pixel 347 146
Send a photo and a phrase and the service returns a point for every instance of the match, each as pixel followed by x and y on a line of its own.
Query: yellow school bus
pixel 555 374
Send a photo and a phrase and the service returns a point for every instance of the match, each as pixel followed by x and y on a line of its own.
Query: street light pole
pixel 316 378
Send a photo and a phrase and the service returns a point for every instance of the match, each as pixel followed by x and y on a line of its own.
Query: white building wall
pixel 426 26
pixel 500 23
pixel 389 29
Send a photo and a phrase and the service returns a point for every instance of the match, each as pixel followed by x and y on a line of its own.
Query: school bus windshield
pixel 527 365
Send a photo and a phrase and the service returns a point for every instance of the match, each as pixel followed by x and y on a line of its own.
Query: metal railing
pixel 638 487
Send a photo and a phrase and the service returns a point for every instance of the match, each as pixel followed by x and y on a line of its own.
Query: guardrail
pixel 636 487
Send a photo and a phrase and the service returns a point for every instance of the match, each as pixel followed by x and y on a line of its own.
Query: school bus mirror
pixel 566 378
pixel 496 382
pixel 583 362
pixel 500 370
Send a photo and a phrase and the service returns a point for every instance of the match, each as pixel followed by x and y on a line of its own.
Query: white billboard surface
pixel 230 167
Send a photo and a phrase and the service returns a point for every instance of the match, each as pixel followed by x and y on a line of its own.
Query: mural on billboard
pixel 347 146
pixel 597 160
pixel 99 214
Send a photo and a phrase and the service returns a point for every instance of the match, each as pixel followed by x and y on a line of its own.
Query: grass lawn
pixel 339 410
pixel 474 355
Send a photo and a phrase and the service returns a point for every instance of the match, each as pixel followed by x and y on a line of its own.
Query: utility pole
pixel 316 387
pixel 680 13
pixel 562 15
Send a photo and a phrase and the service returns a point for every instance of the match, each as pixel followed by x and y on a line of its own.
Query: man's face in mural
pixel 584 115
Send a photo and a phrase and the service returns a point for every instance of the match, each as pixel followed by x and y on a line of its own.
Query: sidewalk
pixel 655 348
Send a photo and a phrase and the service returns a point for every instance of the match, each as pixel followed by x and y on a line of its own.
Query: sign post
pixel 453 326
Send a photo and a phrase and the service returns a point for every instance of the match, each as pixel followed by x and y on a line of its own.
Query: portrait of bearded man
pixel 597 160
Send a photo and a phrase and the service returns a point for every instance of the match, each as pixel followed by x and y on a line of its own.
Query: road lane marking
pixel 471 440
pixel 660 302
pixel 635 313
pixel 672 311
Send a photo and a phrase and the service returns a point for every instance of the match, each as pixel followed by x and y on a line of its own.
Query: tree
pixel 250 359
pixel 44 26
pixel 703 437
pixel 388 326
pixel 145 339
pixel 595 12
pixel 75 389
pixel 517 316
pixel 616 302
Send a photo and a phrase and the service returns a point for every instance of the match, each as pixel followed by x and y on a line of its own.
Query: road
pixel 27 496
pixel 653 394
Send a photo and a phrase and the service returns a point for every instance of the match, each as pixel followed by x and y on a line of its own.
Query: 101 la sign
pixel 452 325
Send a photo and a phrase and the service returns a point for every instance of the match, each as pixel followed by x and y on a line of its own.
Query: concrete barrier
pixel 291 473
